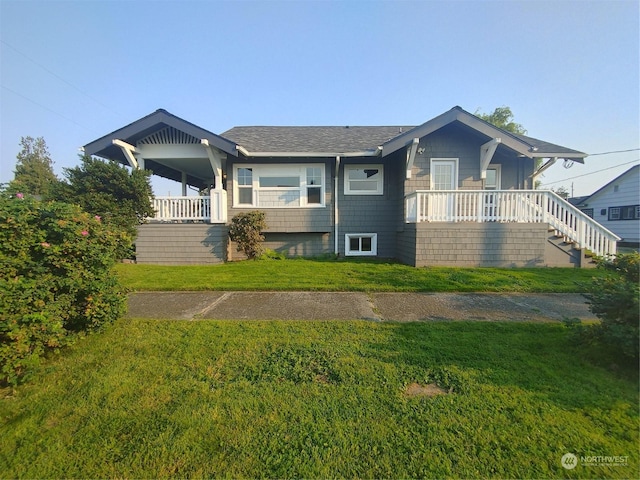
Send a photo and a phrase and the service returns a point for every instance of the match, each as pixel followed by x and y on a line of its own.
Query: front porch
pixel 512 206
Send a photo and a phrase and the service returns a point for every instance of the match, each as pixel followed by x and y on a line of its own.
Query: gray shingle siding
pixel 452 142
pixel 180 243
pixel 481 245
pixel 372 213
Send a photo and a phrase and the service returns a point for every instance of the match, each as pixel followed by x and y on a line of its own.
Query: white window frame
pixel 347 183
pixel 615 214
pixel 498 185
pixel 359 253
pixel 279 170
pixel 455 174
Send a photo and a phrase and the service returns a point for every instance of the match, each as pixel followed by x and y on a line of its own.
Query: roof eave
pixel 363 153
pixel 508 139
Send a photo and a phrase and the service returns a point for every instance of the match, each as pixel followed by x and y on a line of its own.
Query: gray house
pixel 455 190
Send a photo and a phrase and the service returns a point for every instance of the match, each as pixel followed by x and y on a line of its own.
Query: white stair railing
pixel 520 206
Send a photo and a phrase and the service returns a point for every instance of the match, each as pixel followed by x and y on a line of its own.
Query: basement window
pixel 361 244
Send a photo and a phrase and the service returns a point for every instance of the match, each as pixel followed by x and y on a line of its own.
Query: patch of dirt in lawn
pixel 429 390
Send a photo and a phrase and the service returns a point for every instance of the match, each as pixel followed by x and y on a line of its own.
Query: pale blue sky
pixel 76 70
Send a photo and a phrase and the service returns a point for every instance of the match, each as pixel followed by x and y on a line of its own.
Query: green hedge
pixel 56 279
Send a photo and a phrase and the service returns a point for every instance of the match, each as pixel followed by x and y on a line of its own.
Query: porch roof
pixel 149 125
pixel 522 144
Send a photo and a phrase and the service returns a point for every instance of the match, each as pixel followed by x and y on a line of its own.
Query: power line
pixel 591 173
pixel 616 151
pixel 46 108
pixel 60 78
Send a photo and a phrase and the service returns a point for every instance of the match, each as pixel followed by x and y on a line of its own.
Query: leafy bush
pixel 122 198
pixel 55 278
pixel 615 300
pixel 246 230
pixel 269 254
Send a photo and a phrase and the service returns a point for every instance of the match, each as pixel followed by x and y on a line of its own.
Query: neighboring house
pixel 455 190
pixel 616 206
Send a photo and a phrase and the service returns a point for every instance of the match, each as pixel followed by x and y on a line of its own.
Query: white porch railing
pixel 211 209
pixel 521 206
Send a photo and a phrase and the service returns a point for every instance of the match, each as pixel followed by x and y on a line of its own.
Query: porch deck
pixel 520 206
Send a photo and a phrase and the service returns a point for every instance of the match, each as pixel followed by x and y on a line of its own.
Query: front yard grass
pixel 351 275
pixel 149 399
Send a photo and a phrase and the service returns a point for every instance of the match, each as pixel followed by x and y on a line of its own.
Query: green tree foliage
pixel 614 299
pixel 562 192
pixel 246 230
pixel 56 279
pixel 107 189
pixel 502 117
pixel 34 168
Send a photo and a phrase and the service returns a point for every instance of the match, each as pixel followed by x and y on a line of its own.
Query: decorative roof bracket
pixel 486 154
pixel 216 162
pixel 128 150
pixel 411 155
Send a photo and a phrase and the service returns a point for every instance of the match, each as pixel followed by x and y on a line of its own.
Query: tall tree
pixel 502 117
pixel 108 190
pixel 34 168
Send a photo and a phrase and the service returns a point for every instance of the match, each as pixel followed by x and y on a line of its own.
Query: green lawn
pixel 351 275
pixel 149 399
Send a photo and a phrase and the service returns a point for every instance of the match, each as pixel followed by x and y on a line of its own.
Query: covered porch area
pixel 177 150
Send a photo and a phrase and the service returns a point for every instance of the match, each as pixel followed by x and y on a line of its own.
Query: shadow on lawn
pixel 539 358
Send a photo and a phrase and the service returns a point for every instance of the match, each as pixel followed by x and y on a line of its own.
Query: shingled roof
pixel 313 139
pixel 366 139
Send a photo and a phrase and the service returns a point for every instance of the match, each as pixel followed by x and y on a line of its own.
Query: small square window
pixel 588 212
pixel 361 244
pixel 614 213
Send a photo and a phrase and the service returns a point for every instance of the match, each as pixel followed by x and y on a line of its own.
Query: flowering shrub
pixel 55 279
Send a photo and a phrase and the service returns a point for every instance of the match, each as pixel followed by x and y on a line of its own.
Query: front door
pixel 444 176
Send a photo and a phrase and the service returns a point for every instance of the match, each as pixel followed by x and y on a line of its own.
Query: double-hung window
pixel 363 180
pixel 279 186
pixel 245 186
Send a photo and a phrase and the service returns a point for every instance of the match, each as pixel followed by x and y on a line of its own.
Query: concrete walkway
pixel 400 307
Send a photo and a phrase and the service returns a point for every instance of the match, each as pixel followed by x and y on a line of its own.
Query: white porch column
pixel 184 184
